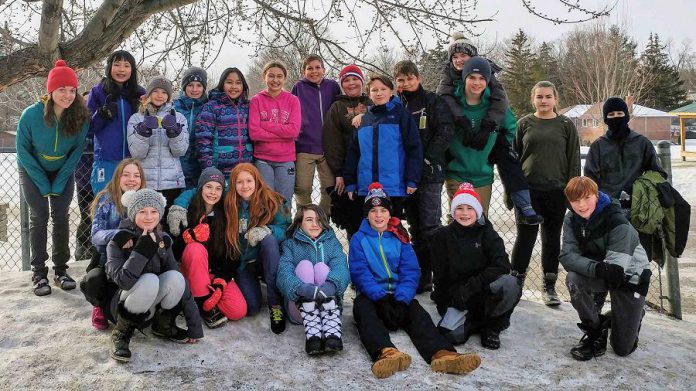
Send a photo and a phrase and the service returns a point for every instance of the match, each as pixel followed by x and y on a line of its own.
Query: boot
pixel 389 362
pixel 126 324
pixel 591 344
pixel 331 326
pixel 277 319
pixel 520 277
pixel 446 361
pixel 164 325
pixel 311 320
pixel 549 294
pixel 40 284
pixel 490 339
pixel 213 318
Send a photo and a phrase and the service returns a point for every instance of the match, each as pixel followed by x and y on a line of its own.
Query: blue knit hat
pixel 478 65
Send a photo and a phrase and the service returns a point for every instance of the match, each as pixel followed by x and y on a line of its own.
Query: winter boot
pixel 490 339
pixel 311 319
pixel 98 319
pixel 164 325
pixel 549 294
pixel 126 324
pixel 40 284
pixel 447 361
pixel 590 344
pixel 277 319
pixel 389 362
pixel 331 326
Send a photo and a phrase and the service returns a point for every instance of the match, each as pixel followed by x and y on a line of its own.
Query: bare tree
pixel 195 30
pixel 683 58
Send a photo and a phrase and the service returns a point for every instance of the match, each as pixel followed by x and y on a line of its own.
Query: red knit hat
pixel 351 70
pixel 61 76
pixel 466 195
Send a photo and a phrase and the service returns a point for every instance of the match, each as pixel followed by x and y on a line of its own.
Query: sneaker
pixel 277 319
pixel 313 346
pixel 389 362
pixel 446 361
pixel 64 281
pixel 490 339
pixel 41 287
pixel 98 319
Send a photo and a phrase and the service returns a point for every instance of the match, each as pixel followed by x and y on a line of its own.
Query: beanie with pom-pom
pixel 135 201
pixel 61 76
pixel 376 197
pixel 459 44
pixel 466 195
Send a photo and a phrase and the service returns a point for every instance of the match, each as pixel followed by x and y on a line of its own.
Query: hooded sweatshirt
pixel 274 124
pixel 315 100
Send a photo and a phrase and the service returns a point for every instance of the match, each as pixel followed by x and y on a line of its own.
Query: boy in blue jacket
pixel 385 272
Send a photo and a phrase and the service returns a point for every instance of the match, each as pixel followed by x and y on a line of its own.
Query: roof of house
pixel 575 111
pixel 596 110
pixel 688 109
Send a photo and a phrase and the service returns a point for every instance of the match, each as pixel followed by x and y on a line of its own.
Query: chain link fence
pixel 11 243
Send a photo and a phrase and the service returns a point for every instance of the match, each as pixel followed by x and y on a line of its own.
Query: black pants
pixel 418 325
pixel 509 166
pixel 423 212
pixel 83 235
pixel 551 205
pixel 97 289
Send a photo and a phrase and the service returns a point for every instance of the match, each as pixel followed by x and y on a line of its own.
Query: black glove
pixel 122 237
pixel 109 111
pixel 463 123
pixel 480 138
pixel 146 246
pixel 387 312
pixel 400 311
pixel 612 274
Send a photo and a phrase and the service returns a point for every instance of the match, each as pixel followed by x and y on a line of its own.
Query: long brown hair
pixel 73 117
pixel 299 216
pixel 263 204
pixel 113 188
pixel 217 244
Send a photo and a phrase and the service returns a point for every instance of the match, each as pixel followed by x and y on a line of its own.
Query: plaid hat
pixel 211 174
pixel 459 44
pixel 466 195
pixel 376 197
pixel 351 70
pixel 135 201
pixel 61 76
pixel 478 65
pixel 160 82
pixel 194 74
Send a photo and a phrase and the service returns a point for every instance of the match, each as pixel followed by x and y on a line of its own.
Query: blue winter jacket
pixel 105 224
pixel 315 101
pixel 326 249
pixel 190 108
pixel 381 264
pixel 385 149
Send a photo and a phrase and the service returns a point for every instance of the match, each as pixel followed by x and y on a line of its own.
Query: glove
pixel 200 233
pixel 463 123
pixel 170 125
pixel 387 312
pixel 327 292
pixel 461 295
pixel 308 292
pixel 480 139
pixel 145 128
pixel 255 235
pixel 400 311
pixel 109 111
pixel 123 237
pixel 612 274
pixel 176 219
pixel 146 246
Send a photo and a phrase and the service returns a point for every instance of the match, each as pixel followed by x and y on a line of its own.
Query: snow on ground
pixel 48 343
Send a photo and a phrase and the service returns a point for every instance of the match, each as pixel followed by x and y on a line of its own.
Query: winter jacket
pixel 105 223
pixel 658 210
pixel 434 122
pixel 381 264
pixel 159 153
pixel 466 255
pixel 606 236
pixel 219 265
pixel 125 266
pixel 615 164
pixel 274 124
pixel 338 129
pixel 385 149
pixel 315 101
pixel 466 164
pixel 326 248
pixel 278 225
pixel 190 108
pixel 47 154
pixel 221 133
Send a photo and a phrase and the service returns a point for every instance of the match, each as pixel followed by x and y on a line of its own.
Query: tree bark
pixel 49 36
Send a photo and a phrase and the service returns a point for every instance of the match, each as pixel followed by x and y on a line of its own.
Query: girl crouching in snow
pixel 313 275
pixel 141 263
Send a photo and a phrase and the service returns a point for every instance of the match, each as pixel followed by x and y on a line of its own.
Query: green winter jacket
pixel 47 154
pixel 466 164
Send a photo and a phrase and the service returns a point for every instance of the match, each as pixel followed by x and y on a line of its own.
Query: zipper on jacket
pixel 55 144
pixel 123 128
pixel 384 261
pixel 321 106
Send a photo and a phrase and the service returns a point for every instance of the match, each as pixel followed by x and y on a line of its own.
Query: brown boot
pixel 389 362
pixel 446 361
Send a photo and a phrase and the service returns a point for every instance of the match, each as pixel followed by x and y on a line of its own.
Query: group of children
pixel 192 206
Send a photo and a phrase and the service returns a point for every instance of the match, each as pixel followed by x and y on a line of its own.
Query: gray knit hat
pixel 211 174
pixel 194 74
pixel 160 82
pixel 135 201
pixel 459 44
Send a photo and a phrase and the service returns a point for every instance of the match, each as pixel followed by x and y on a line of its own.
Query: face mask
pixel 618 126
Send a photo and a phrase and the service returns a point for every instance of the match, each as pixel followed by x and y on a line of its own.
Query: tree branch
pixel 51 15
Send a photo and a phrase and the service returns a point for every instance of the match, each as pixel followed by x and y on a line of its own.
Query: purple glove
pixel 170 125
pixel 145 128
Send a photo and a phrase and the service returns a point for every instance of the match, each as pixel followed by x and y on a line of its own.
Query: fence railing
pixel 664 291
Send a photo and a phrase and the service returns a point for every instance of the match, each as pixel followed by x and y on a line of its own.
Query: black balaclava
pixel 618 126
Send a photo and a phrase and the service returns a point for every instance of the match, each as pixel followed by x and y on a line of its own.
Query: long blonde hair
pixel 113 188
pixel 545 84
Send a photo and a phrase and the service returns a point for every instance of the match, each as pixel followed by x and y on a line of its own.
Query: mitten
pixel 400 311
pixel 256 234
pixel 122 237
pixel 200 233
pixel 176 218
pixel 145 128
pixel 307 292
pixel 171 127
pixel 146 246
pixel 386 312
pixel 109 111
pixel 327 292
pixel 462 293
pixel 216 288
pixel 612 274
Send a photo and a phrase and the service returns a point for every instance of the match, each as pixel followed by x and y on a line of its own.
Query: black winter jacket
pixel 338 129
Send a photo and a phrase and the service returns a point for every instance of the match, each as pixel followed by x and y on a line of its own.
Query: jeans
pixel 165 289
pixel 247 278
pixel 278 176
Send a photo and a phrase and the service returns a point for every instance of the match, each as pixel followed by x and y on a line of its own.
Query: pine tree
pixel 664 91
pixel 546 65
pixel 517 77
pixel 430 66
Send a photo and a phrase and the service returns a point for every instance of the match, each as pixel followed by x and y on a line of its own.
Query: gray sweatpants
pixel 165 289
pixel 626 309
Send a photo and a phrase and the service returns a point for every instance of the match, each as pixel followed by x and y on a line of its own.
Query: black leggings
pixel 551 205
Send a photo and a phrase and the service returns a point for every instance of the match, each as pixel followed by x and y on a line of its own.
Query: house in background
pixel 651 123
pixel 687 127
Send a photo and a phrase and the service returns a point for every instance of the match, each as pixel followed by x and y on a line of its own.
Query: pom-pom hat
pixel 61 76
pixel 459 44
pixel 376 197
pixel 466 195
pixel 135 201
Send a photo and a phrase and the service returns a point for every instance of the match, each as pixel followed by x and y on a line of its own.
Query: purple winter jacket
pixel 315 101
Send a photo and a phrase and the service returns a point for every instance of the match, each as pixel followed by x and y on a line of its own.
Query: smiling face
pixel 475 83
pixel 158 97
pixel 380 93
pixel 130 178
pixel 233 86
pixel 314 71
pixel 544 100
pixel 585 205
pixel 121 71
pixel 275 80
pixel 147 218
pixel 63 97
pixel 465 215
pixel 194 89
pixel 408 83
pixel 311 224
pixel 378 217
pixel 245 185
pixel 211 193
pixel 459 59
pixel 352 86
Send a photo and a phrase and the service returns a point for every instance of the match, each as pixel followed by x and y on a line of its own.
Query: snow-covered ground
pixel 48 343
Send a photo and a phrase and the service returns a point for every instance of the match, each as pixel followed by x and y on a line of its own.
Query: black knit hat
pixel 459 44
pixel 478 65
pixel 376 197
pixel 194 74
pixel 615 104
